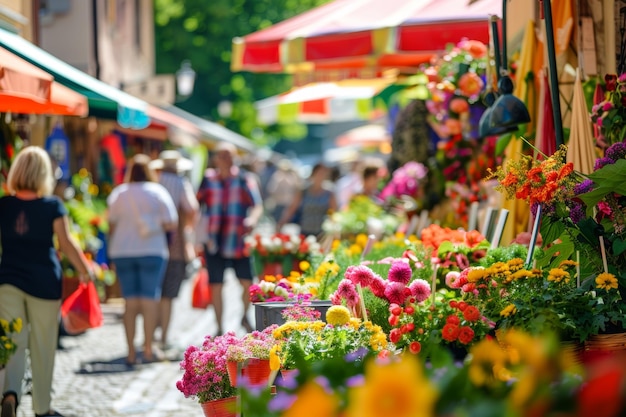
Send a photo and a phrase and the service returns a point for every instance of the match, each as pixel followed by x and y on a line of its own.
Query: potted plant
pixel 205 375
pixel 249 357
pixel 315 340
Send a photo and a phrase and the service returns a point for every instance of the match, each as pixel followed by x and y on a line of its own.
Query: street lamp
pixel 185 79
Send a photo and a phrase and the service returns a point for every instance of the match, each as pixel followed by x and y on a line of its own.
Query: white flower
pixel 267 286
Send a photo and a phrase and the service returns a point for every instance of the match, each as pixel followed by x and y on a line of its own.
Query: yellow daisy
pixel 606 281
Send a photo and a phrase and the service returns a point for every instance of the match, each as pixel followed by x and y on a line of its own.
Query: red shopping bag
pixel 201 292
pixel 81 310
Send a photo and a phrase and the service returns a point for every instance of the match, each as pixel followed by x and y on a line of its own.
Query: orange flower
pixel 510 179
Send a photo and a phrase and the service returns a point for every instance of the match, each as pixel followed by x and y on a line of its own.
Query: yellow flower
pixel 5 326
pixel 274 358
pixel 313 401
pixel 476 274
pixel 397 389
pixel 508 310
pixel 361 240
pixel 304 266
pixel 337 315
pixel 17 325
pixel 488 363
pixel 335 244
pixel 516 264
pixel 355 249
pixel 269 278
pixel 606 281
pixel 567 263
pixel 558 275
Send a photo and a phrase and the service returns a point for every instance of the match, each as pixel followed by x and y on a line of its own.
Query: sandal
pixel 9 408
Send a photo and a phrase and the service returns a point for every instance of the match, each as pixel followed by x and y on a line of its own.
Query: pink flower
pixel 452 279
pixel 394 292
pixel 400 271
pixel 359 274
pixel 377 286
pixel 420 289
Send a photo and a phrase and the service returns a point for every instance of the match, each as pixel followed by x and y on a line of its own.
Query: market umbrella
pixel 518 210
pixel 581 145
pixel 371 135
pixel 357 37
pixel 346 100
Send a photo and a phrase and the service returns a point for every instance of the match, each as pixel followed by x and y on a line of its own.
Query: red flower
pixel 471 313
pixel 415 347
pixel 452 319
pixel 466 335
pixel 450 332
pixel 395 335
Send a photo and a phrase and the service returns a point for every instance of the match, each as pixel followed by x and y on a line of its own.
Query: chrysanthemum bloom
pixel 471 313
pixel 450 332
pixel 377 285
pixel 508 310
pixel 395 292
pixel 313 399
pixel 420 289
pixel 359 274
pixel 395 388
pixel 400 271
pixel 452 279
pixel 558 275
pixel 606 281
pixel 337 315
pixel 466 335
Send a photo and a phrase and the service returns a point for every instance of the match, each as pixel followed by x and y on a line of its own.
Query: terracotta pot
pixel 257 371
pixel 288 374
pixel 602 345
pixel 226 407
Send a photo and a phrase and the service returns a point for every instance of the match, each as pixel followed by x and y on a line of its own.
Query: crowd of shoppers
pixel 152 217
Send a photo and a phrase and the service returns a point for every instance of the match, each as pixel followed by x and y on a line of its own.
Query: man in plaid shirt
pixel 232 201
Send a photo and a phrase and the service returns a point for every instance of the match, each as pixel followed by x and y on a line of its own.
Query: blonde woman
pixel 140 259
pixel 30 274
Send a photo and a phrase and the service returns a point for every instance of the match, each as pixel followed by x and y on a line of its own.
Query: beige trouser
pixel 39 334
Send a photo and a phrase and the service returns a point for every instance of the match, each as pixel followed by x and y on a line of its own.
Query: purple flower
pixel 583 187
pixel 616 151
pixel 400 271
pixel 577 213
pixel 602 162
pixel 355 381
pixel 281 401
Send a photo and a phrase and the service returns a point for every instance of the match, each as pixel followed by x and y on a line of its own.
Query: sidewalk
pixel 91 379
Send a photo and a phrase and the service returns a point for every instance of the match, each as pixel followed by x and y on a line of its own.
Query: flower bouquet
pixel 7 343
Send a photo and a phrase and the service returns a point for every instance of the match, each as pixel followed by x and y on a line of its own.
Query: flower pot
pixel 574 349
pixel 288 374
pixel 257 371
pixel 226 407
pixel 603 345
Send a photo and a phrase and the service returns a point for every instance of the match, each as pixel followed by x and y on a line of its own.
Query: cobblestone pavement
pixel 91 379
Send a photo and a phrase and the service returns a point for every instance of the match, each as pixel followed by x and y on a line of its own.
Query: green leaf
pixel 619 246
pixel 608 179
pixel 503 142
pixel 551 229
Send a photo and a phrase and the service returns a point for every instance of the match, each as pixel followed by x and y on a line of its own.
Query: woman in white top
pixel 141 211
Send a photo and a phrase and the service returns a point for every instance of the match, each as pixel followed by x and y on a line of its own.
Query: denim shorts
pixel 141 277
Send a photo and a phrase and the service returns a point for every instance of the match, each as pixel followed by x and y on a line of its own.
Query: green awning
pixel 105 101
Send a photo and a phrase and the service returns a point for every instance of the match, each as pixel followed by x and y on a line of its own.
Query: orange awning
pixel 63 102
pixel 17 76
pixel 24 88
